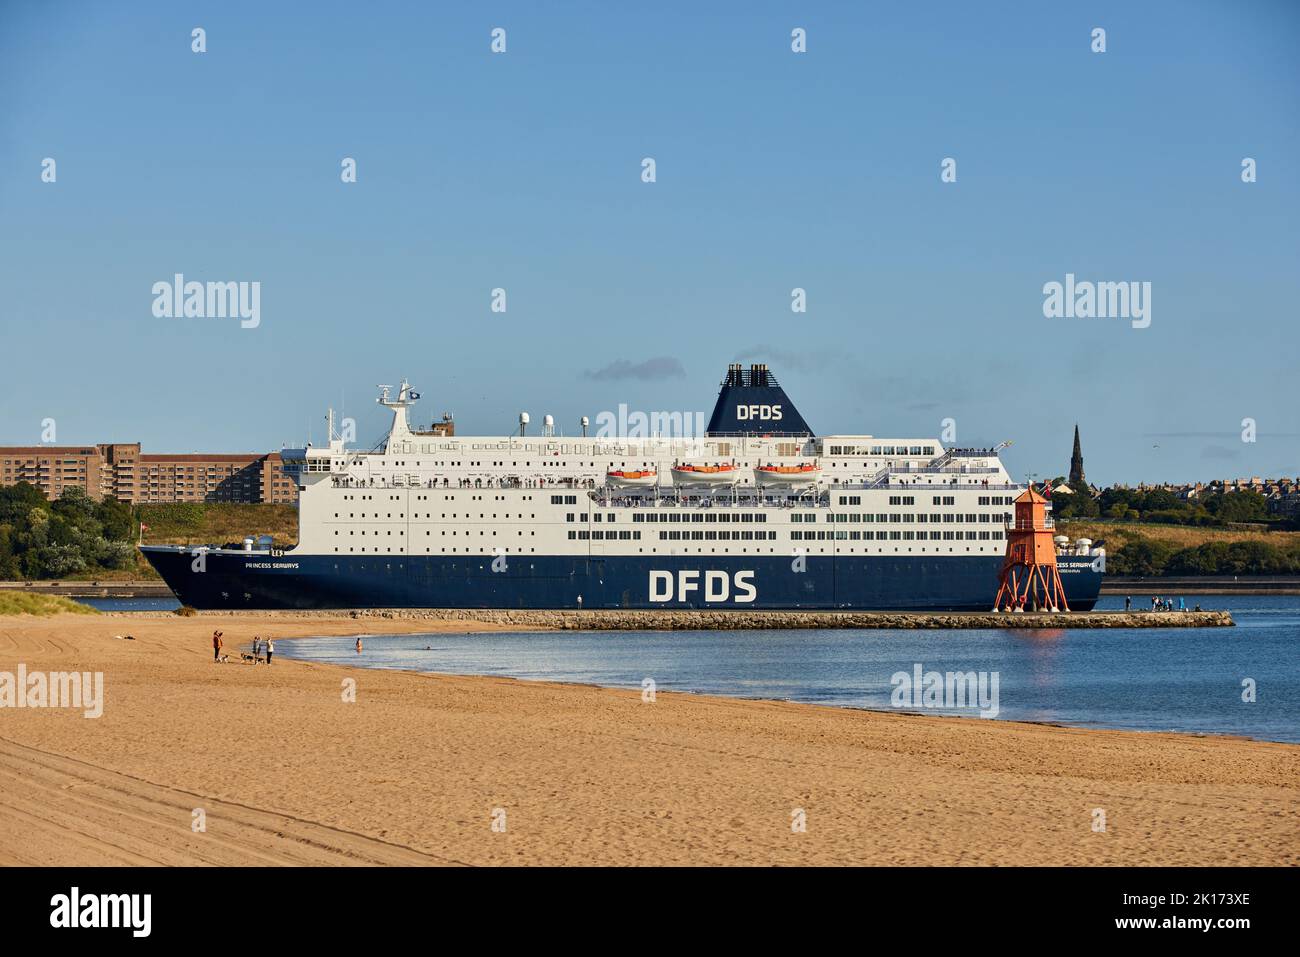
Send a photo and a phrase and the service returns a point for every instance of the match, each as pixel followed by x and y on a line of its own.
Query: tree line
pixel 69 536
pixel 1162 506
pixel 1149 557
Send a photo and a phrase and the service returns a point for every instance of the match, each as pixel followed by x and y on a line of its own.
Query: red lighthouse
pixel 1029 578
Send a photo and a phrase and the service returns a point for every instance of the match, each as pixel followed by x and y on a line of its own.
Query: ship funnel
pixel 752 402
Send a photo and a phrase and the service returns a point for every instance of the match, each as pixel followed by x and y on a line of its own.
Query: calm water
pixel 1176 679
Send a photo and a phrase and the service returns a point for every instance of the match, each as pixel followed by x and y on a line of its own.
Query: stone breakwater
pixel 702 620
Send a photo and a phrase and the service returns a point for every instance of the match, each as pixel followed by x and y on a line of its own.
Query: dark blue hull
pixel 879 583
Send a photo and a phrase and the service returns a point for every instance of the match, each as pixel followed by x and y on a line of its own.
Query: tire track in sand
pixel 60 810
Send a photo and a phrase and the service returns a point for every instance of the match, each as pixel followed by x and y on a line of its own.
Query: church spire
pixel 1076 460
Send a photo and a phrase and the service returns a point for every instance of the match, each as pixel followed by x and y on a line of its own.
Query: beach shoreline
pixel 418 768
pixel 902 712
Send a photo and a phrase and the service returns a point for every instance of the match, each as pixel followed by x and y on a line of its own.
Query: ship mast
pixel 401 429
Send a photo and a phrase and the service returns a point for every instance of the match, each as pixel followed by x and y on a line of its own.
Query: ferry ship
pixel 757 513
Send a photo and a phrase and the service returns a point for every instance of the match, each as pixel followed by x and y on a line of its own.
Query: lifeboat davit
pixel 724 473
pixel 787 474
pixel 631 476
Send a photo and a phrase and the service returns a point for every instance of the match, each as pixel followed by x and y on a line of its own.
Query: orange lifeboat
pixel 787 474
pixel 631 476
pixel 724 473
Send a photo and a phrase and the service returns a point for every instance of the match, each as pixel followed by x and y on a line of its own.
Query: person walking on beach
pixel 255 647
pixel 358 644
pixel 1182 604
pixel 270 650
pixel 1128 602
pixel 216 646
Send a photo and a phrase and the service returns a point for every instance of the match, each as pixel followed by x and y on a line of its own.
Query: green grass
pixel 200 523
pixel 1178 536
pixel 22 603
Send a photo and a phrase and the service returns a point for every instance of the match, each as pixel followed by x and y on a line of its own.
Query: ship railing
pixel 667 499
pixel 959 470
pixel 446 482
pixel 889 482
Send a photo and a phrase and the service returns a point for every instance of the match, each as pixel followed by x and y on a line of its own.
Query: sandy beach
pixel 417 769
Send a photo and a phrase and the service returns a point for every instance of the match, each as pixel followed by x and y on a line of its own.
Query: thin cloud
pixel 651 370
pixel 788 358
pixel 1218 452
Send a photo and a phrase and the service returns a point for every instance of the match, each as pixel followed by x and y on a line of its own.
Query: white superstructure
pixel 431 494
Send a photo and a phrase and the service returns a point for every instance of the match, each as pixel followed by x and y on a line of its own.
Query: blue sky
pixel 775 170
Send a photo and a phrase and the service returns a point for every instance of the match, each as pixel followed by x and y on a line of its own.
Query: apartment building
pixel 122 471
